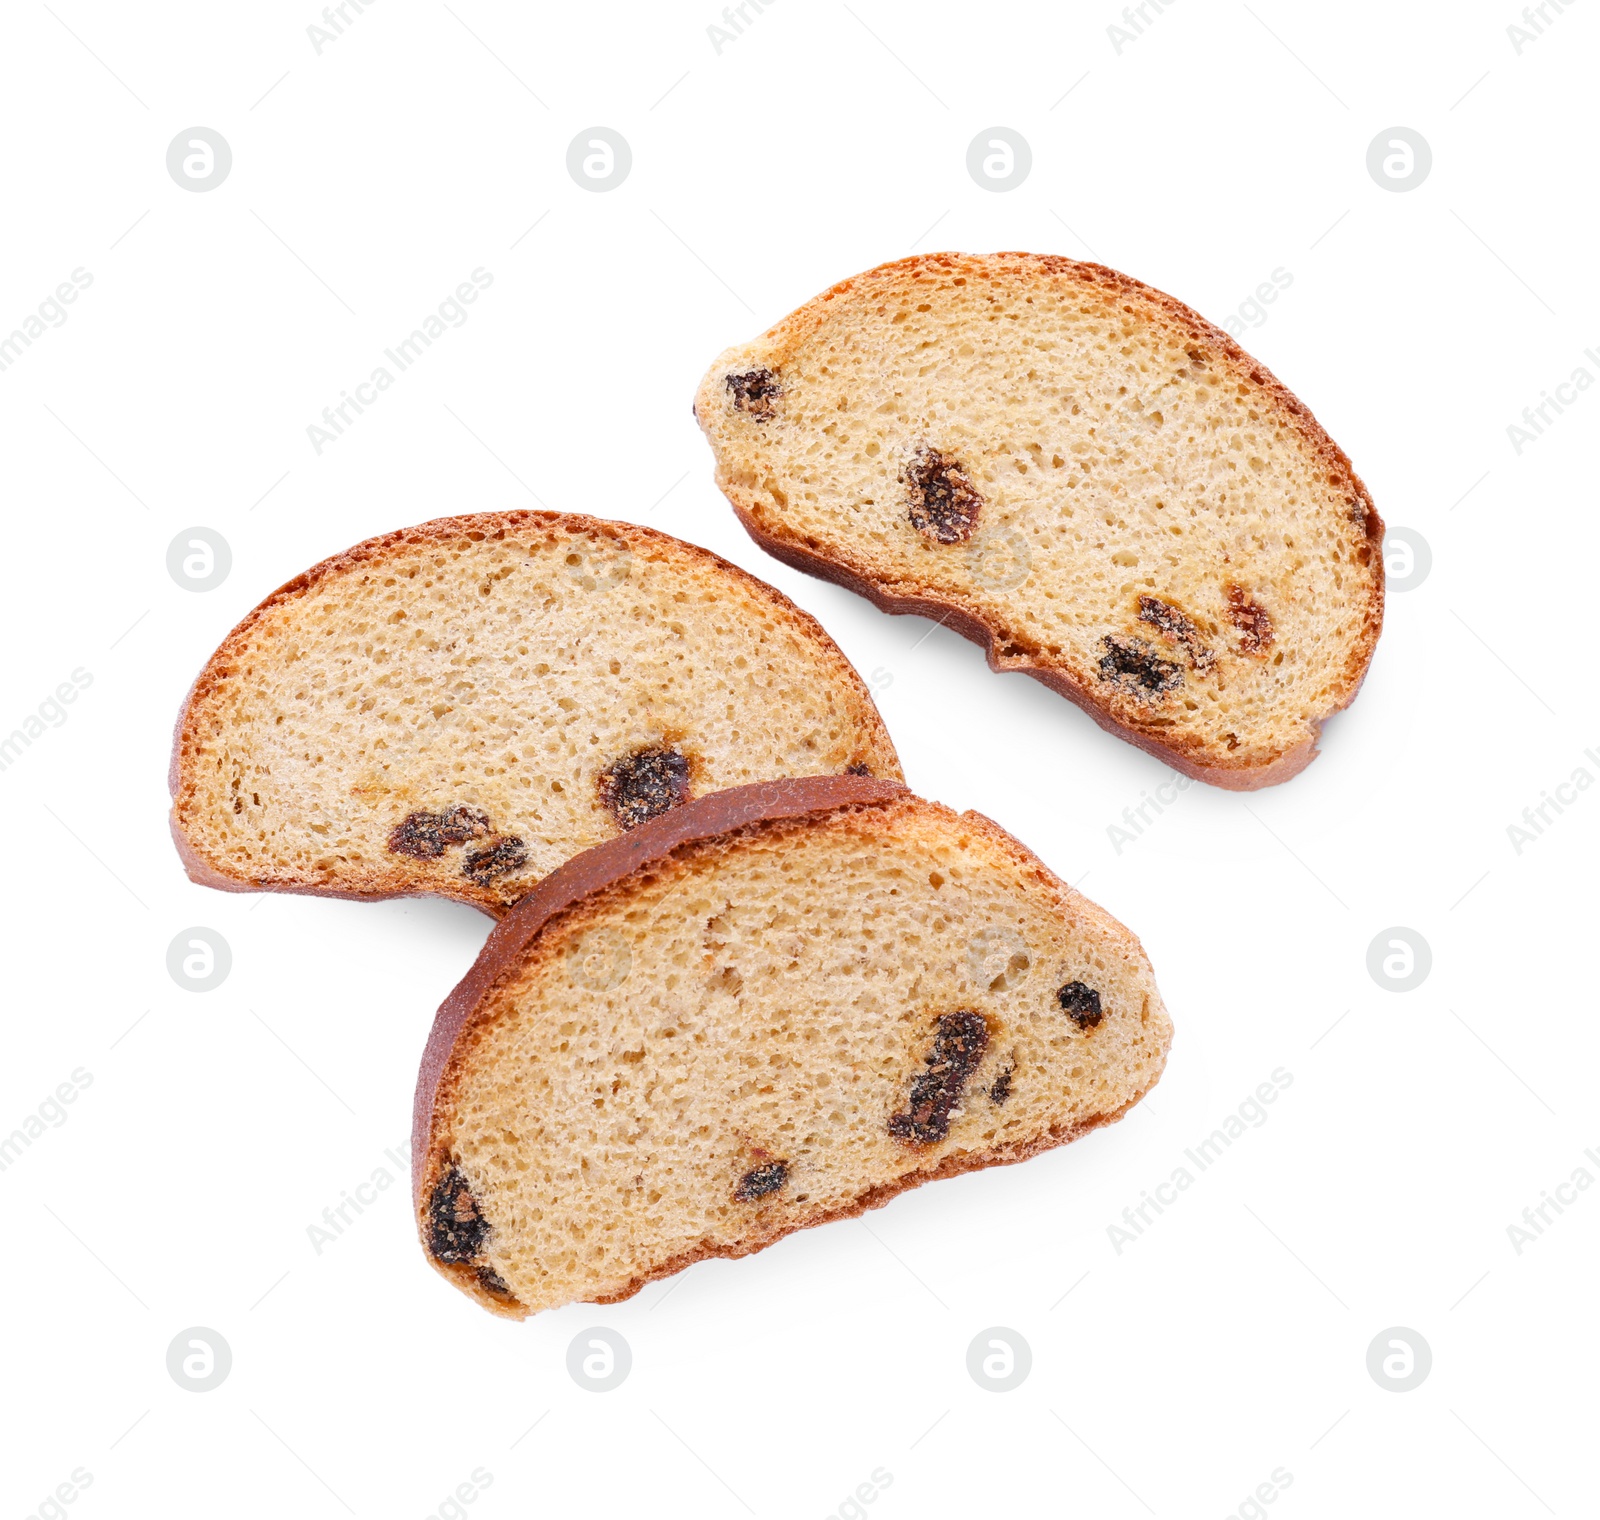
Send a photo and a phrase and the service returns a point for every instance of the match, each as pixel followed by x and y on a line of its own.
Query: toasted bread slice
pixel 777 1006
pixel 1082 475
pixel 457 708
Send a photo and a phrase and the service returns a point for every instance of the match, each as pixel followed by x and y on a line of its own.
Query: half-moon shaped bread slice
pixel 1082 475
pixel 777 1006
pixel 455 709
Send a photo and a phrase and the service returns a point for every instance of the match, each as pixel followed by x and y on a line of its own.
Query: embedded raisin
pixel 456 1230
pixel 1081 1004
pixel 755 392
pixel 761 1180
pixel 645 785
pixel 1175 624
pixel 1001 1090
pixel 426 836
pixel 858 768
pixel 1251 619
pixel 500 857
pixel 1134 666
pixel 494 1282
pixel 958 1047
pixel 944 503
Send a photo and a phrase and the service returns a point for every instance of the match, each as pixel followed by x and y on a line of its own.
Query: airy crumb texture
pixel 1077 472
pixel 457 708
pixel 784 1024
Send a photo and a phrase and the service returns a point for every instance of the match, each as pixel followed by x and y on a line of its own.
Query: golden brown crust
pixel 573 890
pixel 207 686
pixel 1192 758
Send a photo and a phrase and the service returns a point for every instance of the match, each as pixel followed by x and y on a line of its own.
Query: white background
pixel 1227 1341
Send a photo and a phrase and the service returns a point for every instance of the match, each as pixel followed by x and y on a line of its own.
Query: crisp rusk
pixel 1080 474
pixel 455 709
pixel 774 1007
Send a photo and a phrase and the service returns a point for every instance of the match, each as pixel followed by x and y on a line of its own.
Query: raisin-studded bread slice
pixel 777 1006
pixel 1077 472
pixel 457 708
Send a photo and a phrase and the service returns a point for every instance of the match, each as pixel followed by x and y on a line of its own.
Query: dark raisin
pixel 944 503
pixel 1081 1004
pixel 500 857
pixel 1251 619
pixel 957 1049
pixel 761 1180
pixel 1134 666
pixel 1001 1090
pixel 456 1230
pixel 755 392
pixel 1175 624
pixel 426 836
pixel 645 785
pixel 494 1282
pixel 858 768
